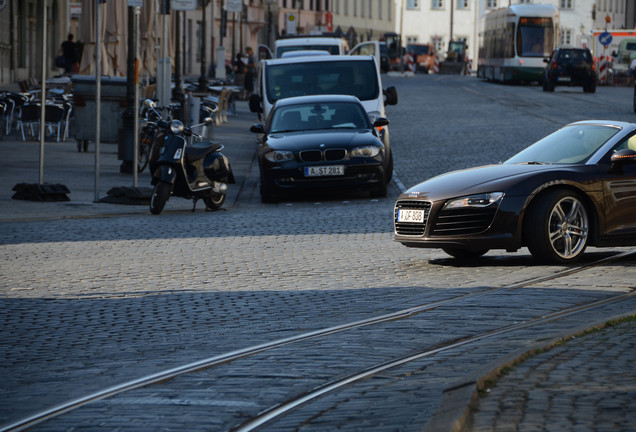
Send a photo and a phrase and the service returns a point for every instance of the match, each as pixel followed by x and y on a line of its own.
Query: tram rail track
pixel 224 358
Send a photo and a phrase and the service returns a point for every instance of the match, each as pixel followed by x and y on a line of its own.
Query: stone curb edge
pixel 453 413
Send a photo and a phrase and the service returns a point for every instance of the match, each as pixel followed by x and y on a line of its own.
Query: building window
pixel 463 4
pixel 413 4
pixel 566 37
pixel 491 4
pixel 380 9
pixel 390 6
pixel 438 42
pixel 438 4
pixel 566 4
pixel 370 8
pixel 355 7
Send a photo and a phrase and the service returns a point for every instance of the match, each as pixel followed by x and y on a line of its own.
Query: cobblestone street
pixel 94 298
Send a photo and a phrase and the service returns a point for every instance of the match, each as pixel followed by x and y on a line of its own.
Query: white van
pixel 357 75
pixel 335 45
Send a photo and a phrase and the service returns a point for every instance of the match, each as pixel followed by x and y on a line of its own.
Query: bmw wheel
pixel 557 227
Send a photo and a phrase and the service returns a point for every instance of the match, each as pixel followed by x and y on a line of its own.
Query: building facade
pixel 21 39
pixel 439 21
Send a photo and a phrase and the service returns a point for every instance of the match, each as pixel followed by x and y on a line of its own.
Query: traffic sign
pixel 605 39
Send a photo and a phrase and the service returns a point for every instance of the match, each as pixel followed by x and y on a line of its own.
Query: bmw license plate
pixel 326 170
pixel 413 216
pixel 564 79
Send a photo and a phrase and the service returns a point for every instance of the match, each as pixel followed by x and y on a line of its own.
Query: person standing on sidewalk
pixel 250 68
pixel 68 50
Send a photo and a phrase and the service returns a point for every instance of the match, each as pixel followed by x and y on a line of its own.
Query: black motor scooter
pixel 197 171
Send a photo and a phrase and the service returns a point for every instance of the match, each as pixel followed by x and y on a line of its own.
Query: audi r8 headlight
pixel 366 151
pixel 279 156
pixel 475 201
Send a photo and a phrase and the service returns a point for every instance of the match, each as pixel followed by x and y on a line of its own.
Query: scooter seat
pixel 200 150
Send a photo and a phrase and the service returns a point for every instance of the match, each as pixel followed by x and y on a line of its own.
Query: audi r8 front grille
pixel 462 222
pixel 411 228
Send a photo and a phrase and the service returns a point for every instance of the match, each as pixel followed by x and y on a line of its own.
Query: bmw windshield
pixel 570 145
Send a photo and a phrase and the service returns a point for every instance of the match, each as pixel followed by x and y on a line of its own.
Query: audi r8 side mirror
pixel 257 128
pixel 625 156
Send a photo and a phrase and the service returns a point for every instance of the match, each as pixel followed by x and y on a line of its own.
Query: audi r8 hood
pixel 313 139
pixel 519 178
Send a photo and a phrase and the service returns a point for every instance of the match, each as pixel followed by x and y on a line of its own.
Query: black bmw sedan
pixel 572 189
pixel 320 143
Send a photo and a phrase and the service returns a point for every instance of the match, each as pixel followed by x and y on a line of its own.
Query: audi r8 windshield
pixel 572 144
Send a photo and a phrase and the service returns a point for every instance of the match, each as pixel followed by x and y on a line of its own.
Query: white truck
pixel 621 49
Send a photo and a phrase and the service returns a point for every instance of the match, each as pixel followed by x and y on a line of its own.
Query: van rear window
pixel 357 78
pixel 333 49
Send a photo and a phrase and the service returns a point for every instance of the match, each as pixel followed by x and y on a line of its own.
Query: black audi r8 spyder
pixel 572 189
pixel 321 143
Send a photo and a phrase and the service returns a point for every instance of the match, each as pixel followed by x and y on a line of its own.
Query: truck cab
pixel 624 56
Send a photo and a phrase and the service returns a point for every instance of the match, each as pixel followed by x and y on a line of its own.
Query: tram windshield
pixel 535 37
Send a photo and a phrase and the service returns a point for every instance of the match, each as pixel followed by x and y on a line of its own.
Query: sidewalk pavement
pixel 64 165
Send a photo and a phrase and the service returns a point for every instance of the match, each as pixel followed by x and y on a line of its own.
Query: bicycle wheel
pixel 144 152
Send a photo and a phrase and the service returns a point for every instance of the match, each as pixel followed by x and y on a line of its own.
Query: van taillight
pixel 593 66
pixel 554 65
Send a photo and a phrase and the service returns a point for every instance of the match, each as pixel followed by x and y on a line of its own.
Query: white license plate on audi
pixel 326 170
pixel 413 216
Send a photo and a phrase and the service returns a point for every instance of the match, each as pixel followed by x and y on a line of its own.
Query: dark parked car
pixel 573 188
pixel 320 143
pixel 570 67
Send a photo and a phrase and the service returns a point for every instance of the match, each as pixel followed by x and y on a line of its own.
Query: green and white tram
pixel 515 41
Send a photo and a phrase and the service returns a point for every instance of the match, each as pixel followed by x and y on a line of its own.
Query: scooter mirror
pixel 208 121
pixel 149 103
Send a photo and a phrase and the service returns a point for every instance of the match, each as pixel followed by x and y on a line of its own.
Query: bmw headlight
pixel 279 156
pixel 475 201
pixel 176 127
pixel 366 151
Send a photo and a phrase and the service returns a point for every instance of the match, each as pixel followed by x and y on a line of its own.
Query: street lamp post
pixel 203 79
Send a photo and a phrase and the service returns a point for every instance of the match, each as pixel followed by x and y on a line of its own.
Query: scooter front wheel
pixel 160 196
pixel 214 201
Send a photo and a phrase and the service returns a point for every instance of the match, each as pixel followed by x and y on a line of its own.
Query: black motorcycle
pixel 197 171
